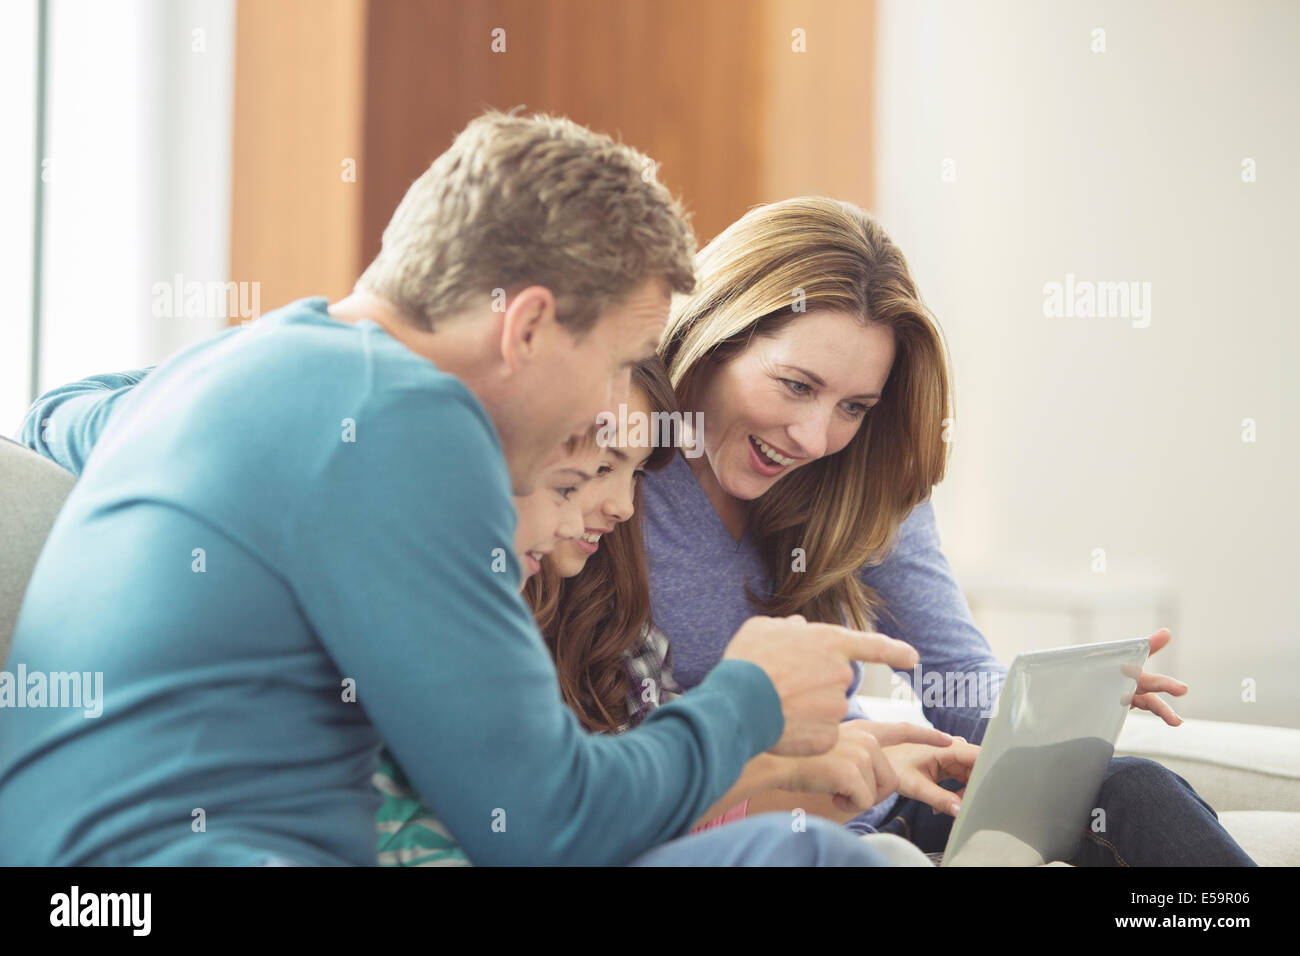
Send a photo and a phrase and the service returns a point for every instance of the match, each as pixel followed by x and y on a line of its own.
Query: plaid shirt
pixel 651 683
pixel 650 676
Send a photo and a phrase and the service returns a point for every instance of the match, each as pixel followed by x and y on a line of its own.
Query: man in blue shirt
pixel 293 541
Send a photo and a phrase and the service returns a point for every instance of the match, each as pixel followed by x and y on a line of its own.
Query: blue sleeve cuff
pixel 761 717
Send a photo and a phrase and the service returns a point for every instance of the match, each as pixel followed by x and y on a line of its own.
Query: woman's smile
pixel 768 460
pixel 589 541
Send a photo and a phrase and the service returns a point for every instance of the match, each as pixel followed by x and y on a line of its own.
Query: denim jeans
pixel 1153 818
pixel 768 839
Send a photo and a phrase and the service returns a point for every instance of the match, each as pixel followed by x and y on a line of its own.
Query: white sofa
pixel 1249 774
pixel 32 490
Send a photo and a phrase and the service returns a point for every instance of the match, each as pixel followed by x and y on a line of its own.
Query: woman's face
pixel 606 500
pixel 791 398
pixel 551 514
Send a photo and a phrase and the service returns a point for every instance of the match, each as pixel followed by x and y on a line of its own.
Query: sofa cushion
pixel 1269 837
pixel 32 490
pixel 1232 766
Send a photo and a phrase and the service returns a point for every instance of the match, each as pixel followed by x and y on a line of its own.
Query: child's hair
pixel 591 620
pixel 588 441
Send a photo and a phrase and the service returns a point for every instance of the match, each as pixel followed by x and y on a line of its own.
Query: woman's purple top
pixel 698 575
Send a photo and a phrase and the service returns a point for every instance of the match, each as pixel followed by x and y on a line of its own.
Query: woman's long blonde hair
pixel 844 510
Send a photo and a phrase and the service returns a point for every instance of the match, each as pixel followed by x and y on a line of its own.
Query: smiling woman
pixel 799 392
pixel 822 380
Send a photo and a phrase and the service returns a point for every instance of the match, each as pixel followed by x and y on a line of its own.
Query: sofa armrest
pixel 1232 766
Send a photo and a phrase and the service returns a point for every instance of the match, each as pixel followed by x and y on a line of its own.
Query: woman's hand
pixel 1149 685
pixel 857 770
pixel 922 767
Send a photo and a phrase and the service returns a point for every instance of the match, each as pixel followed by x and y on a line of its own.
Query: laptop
pixel 1035 783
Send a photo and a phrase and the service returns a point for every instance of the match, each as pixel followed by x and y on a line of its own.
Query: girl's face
pixel 606 500
pixel 791 398
pixel 551 514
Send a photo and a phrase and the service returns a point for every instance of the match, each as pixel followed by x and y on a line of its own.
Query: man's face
pixel 567 382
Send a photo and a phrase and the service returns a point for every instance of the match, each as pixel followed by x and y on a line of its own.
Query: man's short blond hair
pixel 531 200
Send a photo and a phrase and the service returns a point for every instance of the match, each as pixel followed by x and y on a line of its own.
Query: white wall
pixel 18 171
pixel 139 109
pixel 1081 433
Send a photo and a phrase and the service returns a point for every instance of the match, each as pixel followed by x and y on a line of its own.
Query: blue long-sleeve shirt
pixel 280 552
pixel 64 423
pixel 698 576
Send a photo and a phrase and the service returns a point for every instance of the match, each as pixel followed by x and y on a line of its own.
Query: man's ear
pixel 528 317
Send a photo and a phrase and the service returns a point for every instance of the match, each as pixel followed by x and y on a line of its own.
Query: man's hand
pixel 1149 685
pixel 922 767
pixel 808 665
pixel 857 771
